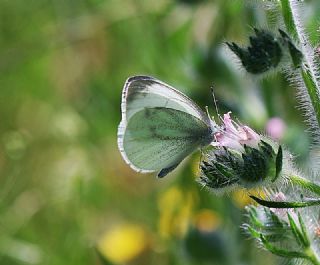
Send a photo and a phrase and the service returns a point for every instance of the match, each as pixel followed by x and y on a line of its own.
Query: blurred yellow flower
pixel 175 211
pixel 123 243
pixel 241 197
pixel 207 220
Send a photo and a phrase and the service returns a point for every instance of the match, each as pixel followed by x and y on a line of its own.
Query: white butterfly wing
pixel 160 126
pixel 142 92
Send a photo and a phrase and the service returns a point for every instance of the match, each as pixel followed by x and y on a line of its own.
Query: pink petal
pixel 228 123
pixel 224 140
pixel 252 138
pixel 235 136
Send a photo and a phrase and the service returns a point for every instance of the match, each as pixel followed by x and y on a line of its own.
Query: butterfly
pixel 160 126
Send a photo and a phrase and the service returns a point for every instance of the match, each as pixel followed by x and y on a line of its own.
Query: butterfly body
pixel 160 126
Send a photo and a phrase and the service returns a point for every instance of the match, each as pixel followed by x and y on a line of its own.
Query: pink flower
pixel 282 212
pixel 234 136
pixel 275 128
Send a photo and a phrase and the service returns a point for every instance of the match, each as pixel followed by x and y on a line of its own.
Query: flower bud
pixel 283 232
pixel 263 54
pixel 264 221
pixel 241 159
pixel 266 51
pixel 225 168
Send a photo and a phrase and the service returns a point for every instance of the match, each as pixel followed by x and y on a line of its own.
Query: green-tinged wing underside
pixel 157 138
pixel 146 92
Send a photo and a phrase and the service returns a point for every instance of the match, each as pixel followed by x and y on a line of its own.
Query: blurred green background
pixel 66 196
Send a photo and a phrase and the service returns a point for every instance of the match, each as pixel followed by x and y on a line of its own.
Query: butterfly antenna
pixel 207 111
pixel 215 101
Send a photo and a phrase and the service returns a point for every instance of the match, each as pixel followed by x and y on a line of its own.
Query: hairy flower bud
pixel 264 221
pixel 266 51
pixel 284 232
pixel 241 159
pixel 226 168
pixel 263 54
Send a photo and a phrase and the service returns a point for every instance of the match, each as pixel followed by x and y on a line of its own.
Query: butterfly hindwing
pixel 159 138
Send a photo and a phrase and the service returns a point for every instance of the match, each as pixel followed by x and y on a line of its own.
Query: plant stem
pixel 308 69
pixel 288 17
pixel 306 184
pixel 312 256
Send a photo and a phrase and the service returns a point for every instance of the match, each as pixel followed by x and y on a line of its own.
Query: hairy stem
pixel 307 254
pixel 308 69
pixel 312 256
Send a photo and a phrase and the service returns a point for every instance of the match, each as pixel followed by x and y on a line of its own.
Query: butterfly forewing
pixel 147 92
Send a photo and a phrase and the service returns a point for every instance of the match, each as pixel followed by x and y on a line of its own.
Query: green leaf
pixel 254 233
pixel 277 204
pixel 304 230
pixel 305 184
pixel 296 54
pixel 254 217
pixel 312 91
pixel 296 231
pixel 278 163
pixel 282 252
